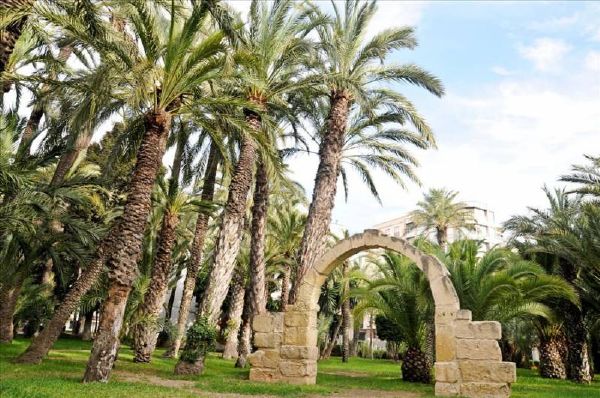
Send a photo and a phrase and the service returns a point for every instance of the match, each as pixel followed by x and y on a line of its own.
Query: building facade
pixel 485 229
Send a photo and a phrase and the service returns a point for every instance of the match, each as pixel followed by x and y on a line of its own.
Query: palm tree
pixel 546 232
pixel 273 54
pixel 195 260
pixel 439 212
pixel 353 69
pixel 500 285
pixel 402 295
pixel 587 177
pixel 15 14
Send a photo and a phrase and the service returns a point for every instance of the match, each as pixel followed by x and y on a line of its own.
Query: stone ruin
pixel 468 358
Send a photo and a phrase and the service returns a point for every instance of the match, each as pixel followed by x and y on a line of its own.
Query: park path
pixel 190 386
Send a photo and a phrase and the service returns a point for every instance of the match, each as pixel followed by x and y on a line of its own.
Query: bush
pixel 200 339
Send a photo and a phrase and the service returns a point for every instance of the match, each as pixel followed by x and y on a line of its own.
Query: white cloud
pixel 545 53
pixel 592 61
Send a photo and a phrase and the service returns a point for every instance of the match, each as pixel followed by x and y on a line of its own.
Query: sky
pixel 522 103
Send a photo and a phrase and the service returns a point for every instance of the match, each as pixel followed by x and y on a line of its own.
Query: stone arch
pixel 468 357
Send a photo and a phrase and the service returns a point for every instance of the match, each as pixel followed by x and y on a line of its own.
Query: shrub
pixel 200 339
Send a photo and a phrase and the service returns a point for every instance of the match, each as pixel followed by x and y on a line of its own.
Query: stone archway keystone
pixel 468 358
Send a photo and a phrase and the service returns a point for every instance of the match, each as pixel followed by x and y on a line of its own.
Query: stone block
pixel 492 371
pixel 302 319
pixel 446 372
pixel 300 336
pixel 447 389
pixel 263 323
pixel 464 315
pixel 445 314
pixel 445 343
pixel 298 368
pixel 267 340
pixel 485 390
pixel 264 375
pixel 478 349
pixel 268 359
pixel 478 330
pixel 299 352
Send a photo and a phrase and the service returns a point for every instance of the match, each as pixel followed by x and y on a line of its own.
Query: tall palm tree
pixel 439 211
pixel 353 69
pixel 190 58
pixel 272 54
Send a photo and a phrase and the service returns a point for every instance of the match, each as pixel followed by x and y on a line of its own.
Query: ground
pixel 60 376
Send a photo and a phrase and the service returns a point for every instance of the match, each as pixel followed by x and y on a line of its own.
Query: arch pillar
pixel 468 357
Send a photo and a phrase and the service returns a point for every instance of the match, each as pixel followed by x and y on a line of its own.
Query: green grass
pixel 60 376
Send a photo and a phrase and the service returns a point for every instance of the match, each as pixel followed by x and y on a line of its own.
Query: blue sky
pixel 522 103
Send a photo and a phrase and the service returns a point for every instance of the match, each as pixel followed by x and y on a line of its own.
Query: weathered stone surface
pixel 267 340
pixel 478 330
pixel 485 390
pixel 298 368
pixel 263 323
pixel 445 314
pixel 300 336
pixel 302 319
pixel 443 290
pixel 445 343
pixel 464 315
pixel 478 349
pixel 499 372
pixel 299 352
pixel 263 375
pixel 446 372
pixel 447 389
pixel 268 359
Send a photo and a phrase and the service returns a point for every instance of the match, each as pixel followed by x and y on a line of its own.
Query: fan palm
pixel 353 69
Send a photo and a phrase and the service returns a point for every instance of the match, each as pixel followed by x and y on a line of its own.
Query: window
pixel 397 231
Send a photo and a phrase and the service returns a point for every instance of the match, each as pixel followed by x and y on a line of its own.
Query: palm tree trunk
pixel 336 332
pixel 355 333
pixel 234 316
pixel 285 287
pixel 319 212
pixel 41 344
pixel 208 191
pixel 578 364
pixel 145 334
pixel 346 317
pixel 245 337
pixel 12 32
pixel 72 156
pixel 86 333
pixel 442 237
pixel 552 365
pixel 9 294
pixel 33 123
pixel 257 244
pixel 230 234
pixel 229 239
pixel 122 264
pixel 416 367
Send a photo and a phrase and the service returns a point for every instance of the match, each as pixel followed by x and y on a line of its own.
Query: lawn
pixel 60 375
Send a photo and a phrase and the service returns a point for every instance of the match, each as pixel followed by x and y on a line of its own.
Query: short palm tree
pixel 439 211
pixel 402 295
pixel 353 69
pixel 545 235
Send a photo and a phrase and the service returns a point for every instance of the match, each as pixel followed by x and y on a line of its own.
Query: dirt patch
pixel 347 374
pixel 375 394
